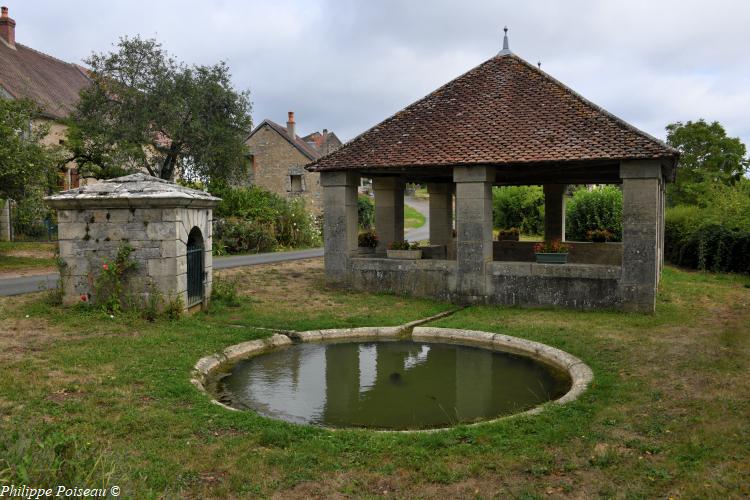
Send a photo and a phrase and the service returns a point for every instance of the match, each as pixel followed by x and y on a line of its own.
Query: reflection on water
pixel 389 385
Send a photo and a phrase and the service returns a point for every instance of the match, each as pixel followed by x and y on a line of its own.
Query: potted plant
pixel 404 250
pixel 551 252
pixel 367 241
pixel 599 235
pixel 511 234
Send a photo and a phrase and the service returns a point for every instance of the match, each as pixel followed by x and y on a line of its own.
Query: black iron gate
pixel 194 272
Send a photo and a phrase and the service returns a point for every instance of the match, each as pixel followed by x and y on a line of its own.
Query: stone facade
pixel 151 215
pixel 277 161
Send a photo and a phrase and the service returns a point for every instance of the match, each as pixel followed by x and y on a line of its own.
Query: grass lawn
pixel 412 218
pixel 85 398
pixel 26 256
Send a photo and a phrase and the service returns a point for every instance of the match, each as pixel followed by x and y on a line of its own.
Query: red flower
pixel 84 298
pixel 105 267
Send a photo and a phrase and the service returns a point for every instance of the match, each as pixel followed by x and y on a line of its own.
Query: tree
pixel 707 157
pixel 145 111
pixel 26 165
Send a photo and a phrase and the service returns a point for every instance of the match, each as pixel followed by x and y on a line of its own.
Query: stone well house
pixel 54 85
pixel 278 156
pixel 504 122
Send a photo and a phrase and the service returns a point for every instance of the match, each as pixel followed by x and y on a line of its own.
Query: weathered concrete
pixel 151 215
pixel 554 212
pixel 581 252
pixel 473 229
pixel 641 234
pixel 389 210
pixel 339 222
pixel 441 213
pixel 577 286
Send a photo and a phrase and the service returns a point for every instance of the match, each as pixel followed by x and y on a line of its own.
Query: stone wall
pixel 275 160
pixel 608 254
pixel 575 286
pixel 89 237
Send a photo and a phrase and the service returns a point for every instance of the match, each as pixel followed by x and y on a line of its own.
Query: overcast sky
pixel 346 65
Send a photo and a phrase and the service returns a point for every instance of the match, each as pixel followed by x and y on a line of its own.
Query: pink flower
pixel 105 267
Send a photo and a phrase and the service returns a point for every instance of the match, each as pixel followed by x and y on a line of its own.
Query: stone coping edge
pixel 580 374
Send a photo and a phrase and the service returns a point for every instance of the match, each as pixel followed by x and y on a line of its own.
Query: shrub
pixel 521 207
pixel 367 239
pixel 365 212
pixel 403 245
pixel 242 236
pixel 592 210
pixel 599 235
pixel 225 291
pixel 31 217
pixel 109 285
pixel 254 220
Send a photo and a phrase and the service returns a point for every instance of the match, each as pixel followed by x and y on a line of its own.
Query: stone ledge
pixel 580 374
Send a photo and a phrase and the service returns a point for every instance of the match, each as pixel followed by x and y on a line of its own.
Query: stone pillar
pixel 389 210
pixel 5 226
pixel 441 213
pixel 473 229
pixel 641 228
pixel 554 212
pixel 339 222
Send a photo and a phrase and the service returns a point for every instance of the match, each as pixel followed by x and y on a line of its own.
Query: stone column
pixel 5 226
pixel 473 229
pixel 339 222
pixel 641 227
pixel 554 212
pixel 441 213
pixel 389 210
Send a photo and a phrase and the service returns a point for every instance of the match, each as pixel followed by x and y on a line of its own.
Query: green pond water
pixel 389 384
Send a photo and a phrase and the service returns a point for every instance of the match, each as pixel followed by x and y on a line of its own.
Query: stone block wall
pixel 274 160
pixel 89 237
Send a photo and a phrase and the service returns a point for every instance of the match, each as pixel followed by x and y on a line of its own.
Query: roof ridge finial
pixel 506 48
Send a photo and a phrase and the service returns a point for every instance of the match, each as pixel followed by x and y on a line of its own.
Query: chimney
pixel 290 125
pixel 7 28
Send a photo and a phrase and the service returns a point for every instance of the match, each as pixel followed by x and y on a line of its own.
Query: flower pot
pixel 405 254
pixel 551 258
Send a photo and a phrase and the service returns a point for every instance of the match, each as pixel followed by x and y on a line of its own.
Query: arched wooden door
pixel 195 267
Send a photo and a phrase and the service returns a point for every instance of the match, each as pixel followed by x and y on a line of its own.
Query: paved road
pixel 423 207
pixel 35 283
pixel 27 284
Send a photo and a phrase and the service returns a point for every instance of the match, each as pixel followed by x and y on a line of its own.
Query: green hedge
pixel 599 208
pixel 521 207
pixel 365 212
pixel 714 236
pixel 254 220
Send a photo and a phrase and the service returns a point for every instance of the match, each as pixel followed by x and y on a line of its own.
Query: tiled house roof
pixel 304 148
pixel 53 84
pixel 503 112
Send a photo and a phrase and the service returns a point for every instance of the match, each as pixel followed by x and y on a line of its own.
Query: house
pixel 54 85
pixel 277 158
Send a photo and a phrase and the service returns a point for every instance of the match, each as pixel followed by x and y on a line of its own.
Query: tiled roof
pixel 297 142
pixel 503 112
pixel 53 84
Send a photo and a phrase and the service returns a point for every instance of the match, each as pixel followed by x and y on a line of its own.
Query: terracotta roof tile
pixel 503 112
pixel 297 142
pixel 51 83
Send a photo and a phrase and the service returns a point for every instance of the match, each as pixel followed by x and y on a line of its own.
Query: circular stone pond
pixel 374 378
